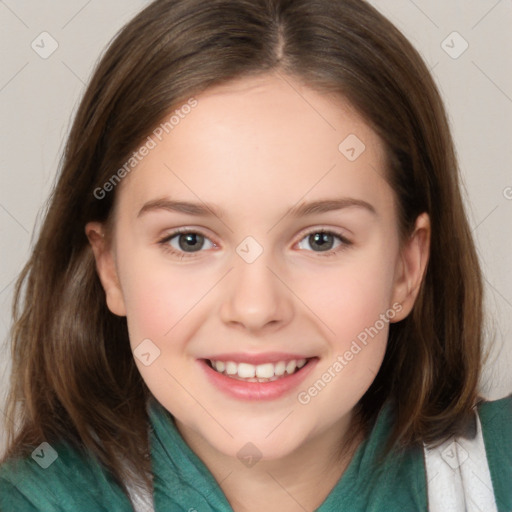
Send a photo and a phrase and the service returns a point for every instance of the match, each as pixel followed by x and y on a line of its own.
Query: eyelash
pixel 164 242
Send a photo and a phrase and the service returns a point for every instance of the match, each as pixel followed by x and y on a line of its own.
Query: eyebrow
pixel 204 209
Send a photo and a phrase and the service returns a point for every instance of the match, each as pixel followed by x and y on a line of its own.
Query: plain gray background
pixel 38 97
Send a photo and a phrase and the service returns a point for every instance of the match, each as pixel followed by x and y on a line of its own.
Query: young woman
pixel 255 287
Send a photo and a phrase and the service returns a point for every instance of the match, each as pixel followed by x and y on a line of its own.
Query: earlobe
pixel 106 267
pixel 411 266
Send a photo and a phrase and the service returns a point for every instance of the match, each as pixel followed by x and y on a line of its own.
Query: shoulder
pixel 56 479
pixel 496 419
pixel 496 416
pixel 477 467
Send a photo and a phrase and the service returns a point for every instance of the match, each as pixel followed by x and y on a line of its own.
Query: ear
pixel 106 267
pixel 411 267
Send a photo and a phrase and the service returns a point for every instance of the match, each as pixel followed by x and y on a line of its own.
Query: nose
pixel 256 297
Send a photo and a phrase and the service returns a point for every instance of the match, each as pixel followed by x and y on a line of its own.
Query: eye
pixel 323 241
pixel 185 242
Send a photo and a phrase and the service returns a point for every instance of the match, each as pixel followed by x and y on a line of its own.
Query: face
pixel 289 261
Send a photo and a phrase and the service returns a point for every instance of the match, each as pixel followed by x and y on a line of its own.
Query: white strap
pixel 458 477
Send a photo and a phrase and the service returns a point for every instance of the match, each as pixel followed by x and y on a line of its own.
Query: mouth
pixel 264 372
pixel 257 377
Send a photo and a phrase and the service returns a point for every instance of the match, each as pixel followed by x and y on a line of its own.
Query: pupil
pixel 190 240
pixel 322 240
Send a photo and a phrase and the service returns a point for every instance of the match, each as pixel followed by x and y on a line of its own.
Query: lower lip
pixel 242 390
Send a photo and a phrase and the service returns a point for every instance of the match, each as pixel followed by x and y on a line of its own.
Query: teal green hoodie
pixel 72 482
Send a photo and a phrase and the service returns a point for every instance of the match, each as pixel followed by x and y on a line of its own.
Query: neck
pixel 300 481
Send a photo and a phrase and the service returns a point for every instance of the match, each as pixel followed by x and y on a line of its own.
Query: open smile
pixel 266 372
pixel 263 381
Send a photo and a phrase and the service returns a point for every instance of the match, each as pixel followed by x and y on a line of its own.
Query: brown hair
pixel 73 374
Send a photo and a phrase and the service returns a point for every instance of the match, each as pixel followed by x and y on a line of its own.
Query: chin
pixel 256 439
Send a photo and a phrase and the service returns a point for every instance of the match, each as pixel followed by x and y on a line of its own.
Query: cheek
pixel 353 303
pixel 160 301
pixel 149 304
pixel 158 297
pixel 352 296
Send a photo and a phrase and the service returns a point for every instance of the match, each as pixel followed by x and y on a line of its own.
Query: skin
pixel 255 148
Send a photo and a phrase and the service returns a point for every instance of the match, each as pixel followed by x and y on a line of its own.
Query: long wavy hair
pixel 73 374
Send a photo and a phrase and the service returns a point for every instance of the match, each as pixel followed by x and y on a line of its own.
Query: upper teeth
pixel 262 371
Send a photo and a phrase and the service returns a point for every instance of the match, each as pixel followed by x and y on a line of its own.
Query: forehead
pixel 267 139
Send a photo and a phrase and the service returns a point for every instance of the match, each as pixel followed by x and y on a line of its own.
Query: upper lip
pixel 255 359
